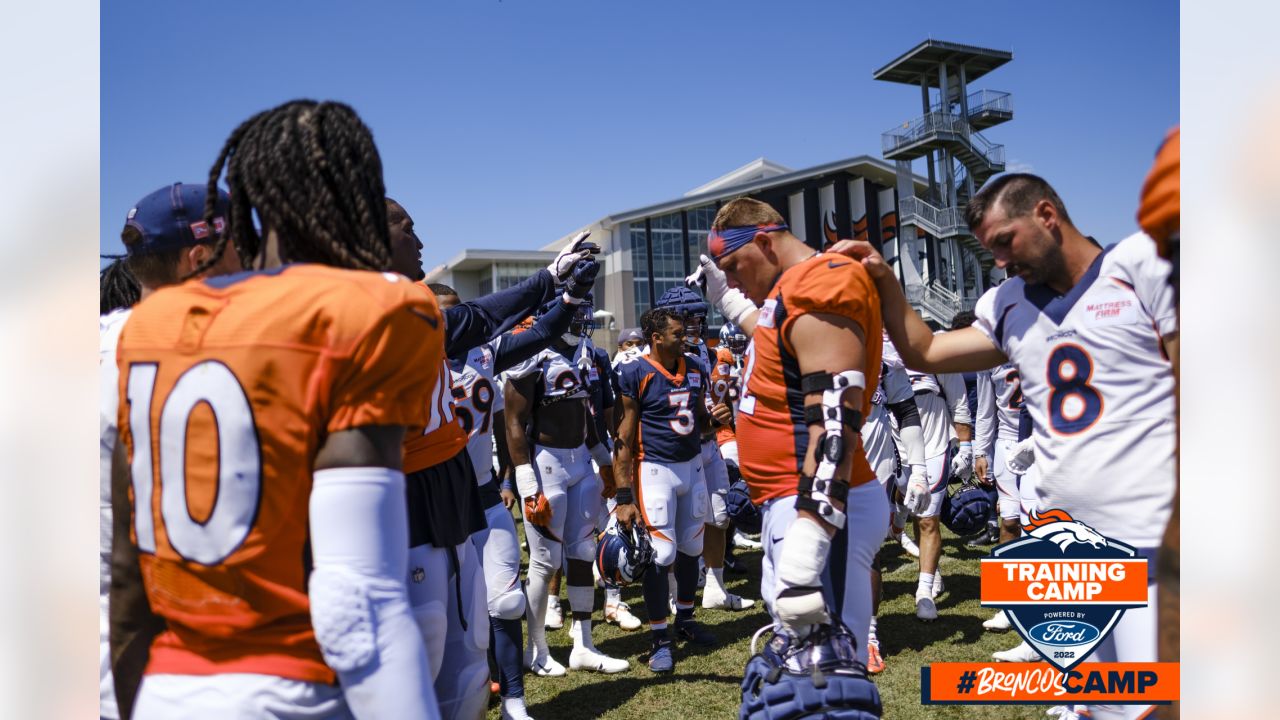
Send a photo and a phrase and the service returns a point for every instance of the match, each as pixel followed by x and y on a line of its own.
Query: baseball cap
pixel 631 334
pixel 173 217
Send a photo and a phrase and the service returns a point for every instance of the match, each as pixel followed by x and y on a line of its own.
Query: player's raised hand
pixel 714 286
pixel 865 253
pixel 581 278
pixel 577 249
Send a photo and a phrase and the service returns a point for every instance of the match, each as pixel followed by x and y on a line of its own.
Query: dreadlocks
pixel 312 174
pixel 118 288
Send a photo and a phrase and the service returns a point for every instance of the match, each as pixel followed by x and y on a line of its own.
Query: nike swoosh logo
pixel 775 540
pixel 434 323
pixel 832 264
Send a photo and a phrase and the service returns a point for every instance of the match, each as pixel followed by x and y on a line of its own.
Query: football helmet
pixel 744 513
pixel 623 555
pixel 691 306
pixel 965 509
pixel 815 677
pixel 732 337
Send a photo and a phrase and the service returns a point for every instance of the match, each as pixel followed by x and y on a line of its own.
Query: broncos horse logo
pixel 1061 529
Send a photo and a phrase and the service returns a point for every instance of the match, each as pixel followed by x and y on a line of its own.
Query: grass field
pixel 705 682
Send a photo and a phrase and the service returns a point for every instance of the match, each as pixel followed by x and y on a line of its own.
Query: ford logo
pixel 1064 633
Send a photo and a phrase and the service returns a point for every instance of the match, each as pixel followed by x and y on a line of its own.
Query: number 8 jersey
pixel 228 388
pixel 1098 386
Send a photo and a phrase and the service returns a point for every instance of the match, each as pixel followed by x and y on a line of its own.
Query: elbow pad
pixel 817 491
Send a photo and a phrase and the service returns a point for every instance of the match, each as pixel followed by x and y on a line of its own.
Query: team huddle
pixel 311 457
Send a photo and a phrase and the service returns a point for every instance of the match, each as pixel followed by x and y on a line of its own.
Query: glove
pixel 713 284
pixel 962 463
pixel 917 498
pixel 537 510
pixel 577 249
pixel 606 478
pixel 581 279
pixel 1022 457
pixel 800 605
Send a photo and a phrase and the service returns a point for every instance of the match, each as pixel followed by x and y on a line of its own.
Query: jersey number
pixel 441 403
pixel 239 482
pixel 747 403
pixel 1015 398
pixel 683 424
pixel 481 400
pixel 1074 404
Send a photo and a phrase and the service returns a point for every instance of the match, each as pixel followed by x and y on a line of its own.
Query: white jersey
pixel 109 327
pixel 561 377
pixel 943 403
pixel 999 402
pixel 632 353
pixel 1098 386
pixel 477 399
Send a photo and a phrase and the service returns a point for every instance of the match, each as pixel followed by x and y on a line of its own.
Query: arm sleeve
pixel 476 322
pixel 520 347
pixel 985 422
pixel 907 413
pixel 394 368
pixel 957 398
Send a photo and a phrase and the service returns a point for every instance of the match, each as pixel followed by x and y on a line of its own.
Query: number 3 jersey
pixel 229 386
pixel 1098 386
pixel 773 437
pixel 668 406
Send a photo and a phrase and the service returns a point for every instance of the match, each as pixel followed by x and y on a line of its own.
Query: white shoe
pixel 581 658
pixel 909 545
pixel 998 622
pixel 555 616
pixel 1066 712
pixel 1023 653
pixel 925 608
pixel 727 601
pixel 621 616
pixel 938 586
pixel 544 666
pixel 742 541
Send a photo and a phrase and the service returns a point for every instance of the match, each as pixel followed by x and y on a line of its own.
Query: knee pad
pixel 691 540
pixel 508 604
pixel 463 692
pixel 545 557
pixel 719 511
pixel 342 617
pixel 583 549
pixel 664 551
pixel 433 623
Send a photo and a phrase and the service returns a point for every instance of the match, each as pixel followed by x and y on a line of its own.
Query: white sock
pixel 925 587
pixel 537 611
pixel 715 582
pixel 581 632
pixel 871 633
pixel 553 601
pixel 612 596
pixel 937 580
pixel 514 707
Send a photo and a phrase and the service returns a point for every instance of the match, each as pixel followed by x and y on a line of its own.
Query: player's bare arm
pixel 963 350
pixel 625 458
pixel 518 395
pixel 133 624
pixel 365 446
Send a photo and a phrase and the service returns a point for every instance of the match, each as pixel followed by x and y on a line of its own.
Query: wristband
pixel 526 481
pixel 624 497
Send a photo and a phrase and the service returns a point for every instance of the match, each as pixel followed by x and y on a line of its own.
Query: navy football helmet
pixel 816 677
pixel 745 515
pixel 583 321
pixel 623 555
pixel 732 337
pixel 965 509
pixel 691 306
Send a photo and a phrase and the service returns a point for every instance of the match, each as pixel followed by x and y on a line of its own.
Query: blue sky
pixel 508 124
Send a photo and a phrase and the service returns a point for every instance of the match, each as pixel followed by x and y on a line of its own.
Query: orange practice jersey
pixel 444 435
pixel 773 438
pixel 228 388
pixel 722 382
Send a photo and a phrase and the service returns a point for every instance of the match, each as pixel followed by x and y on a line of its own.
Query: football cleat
pixel 875 663
pixel 584 658
pixel 660 658
pixel 555 616
pixel 691 631
pixel 926 610
pixel 1023 653
pixel 909 545
pixel 726 601
pixel 734 565
pixel 998 622
pixel 938 586
pixel 621 616
pixel 743 541
pixel 544 666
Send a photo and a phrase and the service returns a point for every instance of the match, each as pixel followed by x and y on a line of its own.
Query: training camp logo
pixel 1064 585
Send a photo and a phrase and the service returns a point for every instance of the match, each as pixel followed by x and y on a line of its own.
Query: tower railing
pixel 940 222
pixel 916 130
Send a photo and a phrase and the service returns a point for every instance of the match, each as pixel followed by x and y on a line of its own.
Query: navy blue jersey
pixel 668 406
